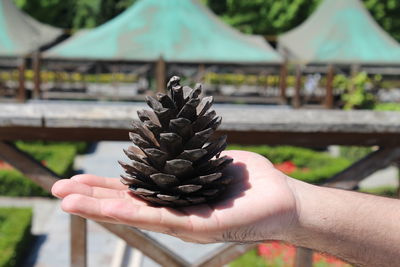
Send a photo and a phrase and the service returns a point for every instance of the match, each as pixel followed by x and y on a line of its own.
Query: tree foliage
pixel 271 17
pixel 386 13
pixel 54 12
pixel 74 14
pixel 265 17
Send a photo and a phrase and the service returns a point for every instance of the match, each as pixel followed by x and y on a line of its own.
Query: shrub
pixel 355 94
pixel 15 184
pixel 314 167
pixel 15 226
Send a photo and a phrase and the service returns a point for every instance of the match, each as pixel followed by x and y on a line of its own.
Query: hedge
pixel 354 153
pixel 57 156
pixel 15 184
pixel 386 191
pixel 15 235
pixel 250 258
pixel 317 166
pixel 387 107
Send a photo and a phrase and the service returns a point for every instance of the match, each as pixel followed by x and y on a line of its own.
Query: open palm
pixel 258 206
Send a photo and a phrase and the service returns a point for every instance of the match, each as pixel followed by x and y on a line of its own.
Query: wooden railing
pixel 243 124
pixel 277 93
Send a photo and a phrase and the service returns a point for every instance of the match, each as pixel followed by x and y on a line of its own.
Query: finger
pixel 126 211
pixel 85 207
pixel 93 180
pixel 160 219
pixel 66 187
pixel 247 157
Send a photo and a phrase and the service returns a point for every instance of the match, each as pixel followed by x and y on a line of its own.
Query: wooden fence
pixel 243 124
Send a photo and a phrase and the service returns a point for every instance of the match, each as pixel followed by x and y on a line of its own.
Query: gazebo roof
pixel 176 30
pixel 340 32
pixel 21 34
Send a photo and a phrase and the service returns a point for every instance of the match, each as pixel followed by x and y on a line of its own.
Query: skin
pixel 262 204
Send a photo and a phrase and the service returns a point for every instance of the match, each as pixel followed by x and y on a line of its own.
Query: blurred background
pixel 64 63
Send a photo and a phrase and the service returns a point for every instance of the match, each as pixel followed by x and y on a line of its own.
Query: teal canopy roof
pixel 176 30
pixel 340 32
pixel 20 34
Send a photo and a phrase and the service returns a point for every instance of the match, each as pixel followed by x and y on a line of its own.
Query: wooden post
pixel 200 73
pixel 266 84
pixel 354 70
pixel 329 88
pixel 36 75
pixel 78 241
pixel 114 83
pixel 296 98
pixel 160 75
pixel 303 257
pixel 21 96
pixel 397 164
pixel 282 83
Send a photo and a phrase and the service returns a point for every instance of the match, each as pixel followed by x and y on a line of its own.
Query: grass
pixel 15 235
pixel 57 156
pixel 312 166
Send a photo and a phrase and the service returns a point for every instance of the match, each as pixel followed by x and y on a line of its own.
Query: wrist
pixel 310 213
pixel 345 224
pixel 287 221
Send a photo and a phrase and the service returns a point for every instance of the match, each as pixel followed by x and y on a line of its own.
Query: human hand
pixel 259 205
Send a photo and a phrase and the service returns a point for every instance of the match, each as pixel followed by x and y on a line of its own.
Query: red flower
pixel 5 166
pixel 264 250
pixel 275 250
pixel 287 167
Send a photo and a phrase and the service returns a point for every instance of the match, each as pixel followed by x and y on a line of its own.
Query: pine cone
pixel 175 161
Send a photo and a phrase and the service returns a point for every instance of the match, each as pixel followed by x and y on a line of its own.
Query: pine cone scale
pixel 175 160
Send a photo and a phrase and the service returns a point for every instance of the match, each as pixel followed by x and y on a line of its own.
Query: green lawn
pixel 15 235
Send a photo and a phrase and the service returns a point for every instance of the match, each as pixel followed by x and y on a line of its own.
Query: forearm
pixel 359 228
